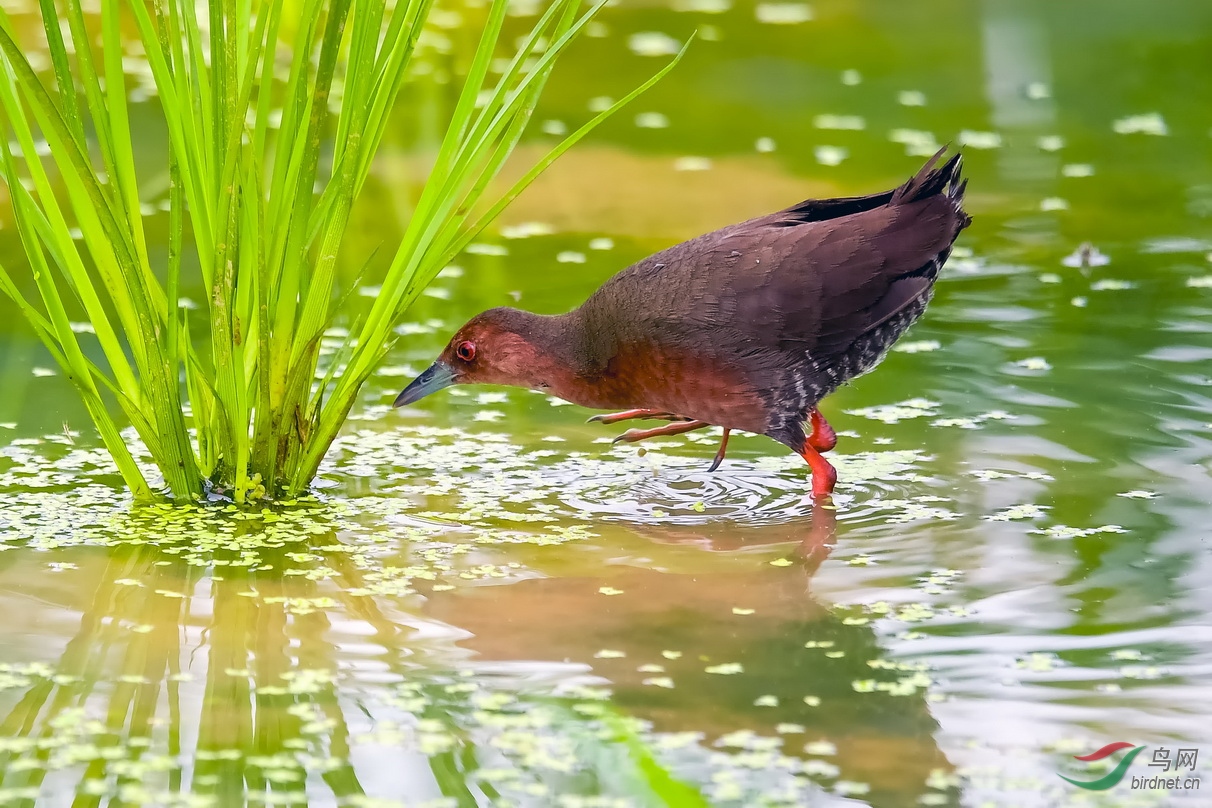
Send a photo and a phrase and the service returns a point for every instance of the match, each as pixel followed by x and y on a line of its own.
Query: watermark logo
pixel 1112 777
pixel 1185 759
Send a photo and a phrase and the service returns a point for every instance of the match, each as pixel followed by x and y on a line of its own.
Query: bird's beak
pixel 438 376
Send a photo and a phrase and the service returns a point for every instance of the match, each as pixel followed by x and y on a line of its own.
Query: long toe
pixel 676 428
pixel 627 415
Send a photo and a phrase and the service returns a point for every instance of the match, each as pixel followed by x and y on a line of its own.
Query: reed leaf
pixel 264 173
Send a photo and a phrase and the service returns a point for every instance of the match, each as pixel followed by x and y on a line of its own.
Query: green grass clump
pixel 263 175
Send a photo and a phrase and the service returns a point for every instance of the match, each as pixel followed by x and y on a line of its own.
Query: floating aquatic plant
pixel 273 115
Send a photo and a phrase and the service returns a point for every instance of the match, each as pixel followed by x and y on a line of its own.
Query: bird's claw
pixel 627 415
pixel 719 455
pixel 676 428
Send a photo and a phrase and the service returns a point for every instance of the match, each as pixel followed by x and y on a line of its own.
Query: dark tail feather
pixel 930 181
pixel 956 195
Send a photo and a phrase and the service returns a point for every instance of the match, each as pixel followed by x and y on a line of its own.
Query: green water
pixel 487 604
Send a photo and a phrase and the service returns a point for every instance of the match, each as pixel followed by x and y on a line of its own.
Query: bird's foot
pixel 822 438
pixel 633 435
pixel 824 475
pixel 719 456
pixel 627 415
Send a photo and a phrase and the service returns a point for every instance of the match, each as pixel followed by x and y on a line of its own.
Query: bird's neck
pixel 559 357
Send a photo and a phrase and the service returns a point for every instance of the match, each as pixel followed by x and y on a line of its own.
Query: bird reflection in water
pixel 793 661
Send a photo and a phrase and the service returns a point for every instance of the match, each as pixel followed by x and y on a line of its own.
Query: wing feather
pixel 801 285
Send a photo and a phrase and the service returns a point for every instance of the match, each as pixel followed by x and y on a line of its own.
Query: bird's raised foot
pixel 627 415
pixel 822 438
pixel 633 435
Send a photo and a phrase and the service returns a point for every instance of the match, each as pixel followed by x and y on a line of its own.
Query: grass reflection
pixel 183 687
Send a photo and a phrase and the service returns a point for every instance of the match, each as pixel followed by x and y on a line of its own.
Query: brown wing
pixel 818 284
pixel 819 287
pixel 786 297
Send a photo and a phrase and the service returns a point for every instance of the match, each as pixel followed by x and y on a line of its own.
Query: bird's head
pixel 499 346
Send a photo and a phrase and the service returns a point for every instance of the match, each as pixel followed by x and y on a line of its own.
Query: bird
pixel 746 328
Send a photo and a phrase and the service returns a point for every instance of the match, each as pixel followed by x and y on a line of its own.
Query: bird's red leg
pixel 824 476
pixel 719 456
pixel 633 435
pixel 627 415
pixel 822 437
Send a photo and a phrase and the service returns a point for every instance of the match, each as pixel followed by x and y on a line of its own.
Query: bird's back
pixel 785 307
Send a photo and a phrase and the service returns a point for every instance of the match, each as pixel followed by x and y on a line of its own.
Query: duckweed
pixel 726 669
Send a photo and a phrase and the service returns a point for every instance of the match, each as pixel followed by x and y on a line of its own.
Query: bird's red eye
pixel 466 351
